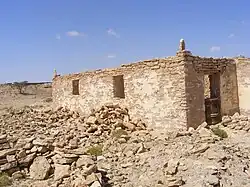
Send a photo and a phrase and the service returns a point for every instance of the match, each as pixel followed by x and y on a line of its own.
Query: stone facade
pixel 166 93
pixel 196 69
pixel 243 74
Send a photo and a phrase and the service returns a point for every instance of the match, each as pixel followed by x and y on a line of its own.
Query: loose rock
pixel 40 168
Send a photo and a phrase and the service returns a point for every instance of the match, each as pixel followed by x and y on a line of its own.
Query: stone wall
pixel 194 96
pixel 154 91
pixel 243 75
pixel 167 93
pixel 196 68
pixel 229 91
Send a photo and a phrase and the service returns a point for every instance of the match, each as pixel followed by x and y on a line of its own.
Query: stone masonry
pixel 243 69
pixel 166 93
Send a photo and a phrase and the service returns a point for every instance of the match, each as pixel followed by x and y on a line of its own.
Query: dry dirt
pixel 35 95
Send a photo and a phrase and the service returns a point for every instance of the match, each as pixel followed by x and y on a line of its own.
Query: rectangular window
pixel 118 86
pixel 75 85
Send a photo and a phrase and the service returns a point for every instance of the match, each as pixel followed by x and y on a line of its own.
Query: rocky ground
pixel 42 147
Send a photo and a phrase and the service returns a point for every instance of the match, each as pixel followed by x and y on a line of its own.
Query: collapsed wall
pixel 60 144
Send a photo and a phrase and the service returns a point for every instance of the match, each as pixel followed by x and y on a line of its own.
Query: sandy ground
pixel 35 95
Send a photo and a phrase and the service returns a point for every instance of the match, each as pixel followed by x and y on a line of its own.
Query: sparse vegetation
pixel 48 85
pixel 20 86
pixel 118 133
pixel 219 132
pixel 95 150
pixel 241 56
pixel 5 180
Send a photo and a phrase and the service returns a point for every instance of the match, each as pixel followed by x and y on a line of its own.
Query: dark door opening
pixel 212 99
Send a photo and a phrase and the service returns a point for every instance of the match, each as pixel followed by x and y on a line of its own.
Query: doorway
pixel 212 98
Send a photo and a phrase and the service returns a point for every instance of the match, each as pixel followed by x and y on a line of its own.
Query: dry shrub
pixel 220 132
pixel 95 150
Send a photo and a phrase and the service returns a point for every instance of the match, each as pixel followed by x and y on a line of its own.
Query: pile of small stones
pixel 62 145
pixel 61 148
pixel 236 122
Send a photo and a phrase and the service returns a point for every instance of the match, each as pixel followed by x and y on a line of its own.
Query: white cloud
pixel 74 33
pixel 111 56
pixel 215 48
pixel 112 33
pixel 58 37
pixel 231 35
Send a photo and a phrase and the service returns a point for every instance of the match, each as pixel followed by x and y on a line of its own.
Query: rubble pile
pixel 237 122
pixel 46 148
pixel 61 144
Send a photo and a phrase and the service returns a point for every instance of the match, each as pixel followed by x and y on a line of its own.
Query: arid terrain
pixel 35 95
pixel 41 147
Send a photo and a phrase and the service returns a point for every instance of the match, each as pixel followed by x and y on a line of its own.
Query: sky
pixel 72 36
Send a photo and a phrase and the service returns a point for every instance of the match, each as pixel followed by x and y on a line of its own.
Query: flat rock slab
pixel 4 153
pixel 84 160
pixel 40 168
pixel 61 171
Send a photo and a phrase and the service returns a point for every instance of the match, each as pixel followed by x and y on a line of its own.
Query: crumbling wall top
pixel 153 64
pixel 182 56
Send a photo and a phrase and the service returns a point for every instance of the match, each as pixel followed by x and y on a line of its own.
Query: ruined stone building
pixel 170 93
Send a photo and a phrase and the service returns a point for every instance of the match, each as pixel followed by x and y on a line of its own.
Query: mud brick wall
pixel 154 91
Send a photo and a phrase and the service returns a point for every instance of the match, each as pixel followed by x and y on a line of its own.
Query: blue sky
pixel 78 35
